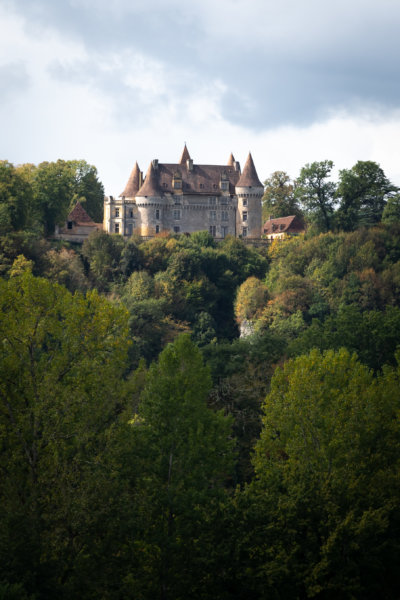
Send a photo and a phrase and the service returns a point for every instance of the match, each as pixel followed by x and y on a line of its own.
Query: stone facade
pixel 185 197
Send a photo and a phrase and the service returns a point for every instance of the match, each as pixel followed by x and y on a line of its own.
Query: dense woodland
pixel 149 452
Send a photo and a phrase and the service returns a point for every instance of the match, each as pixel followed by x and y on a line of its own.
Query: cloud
pixel 116 81
pixel 279 63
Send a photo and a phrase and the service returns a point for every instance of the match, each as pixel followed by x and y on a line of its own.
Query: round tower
pixel 151 202
pixel 249 191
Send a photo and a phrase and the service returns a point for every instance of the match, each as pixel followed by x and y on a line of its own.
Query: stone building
pixel 185 197
pixel 78 226
pixel 282 227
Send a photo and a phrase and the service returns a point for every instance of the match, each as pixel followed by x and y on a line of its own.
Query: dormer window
pixel 224 185
pixel 177 181
pixel 69 224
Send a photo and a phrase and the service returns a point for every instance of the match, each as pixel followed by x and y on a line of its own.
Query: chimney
pixel 155 163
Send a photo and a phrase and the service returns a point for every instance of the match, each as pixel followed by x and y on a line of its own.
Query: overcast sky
pixel 115 81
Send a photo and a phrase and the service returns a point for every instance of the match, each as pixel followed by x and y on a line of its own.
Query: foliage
pixel 184 458
pixel 363 191
pixel 315 193
pixel 61 363
pixel 279 199
pixel 327 483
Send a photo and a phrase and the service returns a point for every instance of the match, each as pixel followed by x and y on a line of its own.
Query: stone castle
pixel 185 197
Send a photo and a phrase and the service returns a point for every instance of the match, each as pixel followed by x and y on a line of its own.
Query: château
pixel 185 197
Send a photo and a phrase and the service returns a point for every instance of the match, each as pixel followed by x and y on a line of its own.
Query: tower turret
pixel 150 201
pixel 249 191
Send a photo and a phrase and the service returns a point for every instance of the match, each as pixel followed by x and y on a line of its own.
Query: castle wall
pixel 187 214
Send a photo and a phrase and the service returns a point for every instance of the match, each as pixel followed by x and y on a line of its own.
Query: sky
pixel 119 81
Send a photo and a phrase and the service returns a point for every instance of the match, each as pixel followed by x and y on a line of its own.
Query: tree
pixel 251 298
pixel 103 253
pixel 325 502
pixel 86 187
pixel 184 456
pixel 62 359
pixel 279 199
pixel 316 194
pixel 363 192
pixel 391 212
pixel 15 198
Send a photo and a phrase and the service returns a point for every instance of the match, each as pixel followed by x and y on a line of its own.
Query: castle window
pixel 116 227
pixel 69 225
pixel 177 215
pixel 224 231
pixel 244 232
pixel 177 184
pixel 212 200
pixel 244 202
pixel 157 229
pixel 224 215
pixel 213 230
pixel 245 215
pixel 224 185
pixel 157 213
pixel 131 214
pixel 177 229
pixel 202 186
pixel 129 229
pixel 117 212
pixel 213 215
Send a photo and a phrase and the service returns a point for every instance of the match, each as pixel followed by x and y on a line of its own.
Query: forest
pixel 148 451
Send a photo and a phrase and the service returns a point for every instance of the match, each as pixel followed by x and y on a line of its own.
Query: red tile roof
pixel 249 177
pixel 79 215
pixel 291 224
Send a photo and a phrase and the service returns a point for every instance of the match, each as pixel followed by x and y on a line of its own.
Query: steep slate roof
pixel 79 215
pixel 185 156
pixel 290 224
pixel 150 186
pixel 202 179
pixel 133 183
pixel 249 177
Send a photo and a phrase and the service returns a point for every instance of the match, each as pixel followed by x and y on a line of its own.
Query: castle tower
pixel 151 202
pixel 249 191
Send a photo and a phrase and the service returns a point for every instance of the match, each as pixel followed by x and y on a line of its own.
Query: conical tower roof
pixel 231 161
pixel 185 156
pixel 133 184
pixel 249 177
pixel 150 186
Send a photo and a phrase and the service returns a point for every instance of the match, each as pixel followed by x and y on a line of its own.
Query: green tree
pixel 15 199
pixel 325 502
pixel 363 192
pixel 316 193
pixel 86 187
pixel 62 358
pixel 279 199
pixel 184 458
pixel 391 212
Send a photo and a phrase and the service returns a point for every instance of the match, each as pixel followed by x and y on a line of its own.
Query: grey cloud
pixel 346 59
pixel 14 81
